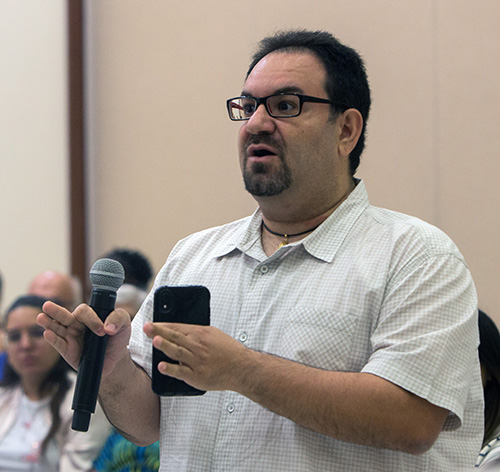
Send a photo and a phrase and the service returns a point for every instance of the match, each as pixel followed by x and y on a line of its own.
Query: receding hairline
pixel 288 50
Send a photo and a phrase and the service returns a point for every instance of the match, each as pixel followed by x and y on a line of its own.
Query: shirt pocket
pixel 319 338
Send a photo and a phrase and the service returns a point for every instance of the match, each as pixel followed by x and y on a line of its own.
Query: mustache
pixel 262 139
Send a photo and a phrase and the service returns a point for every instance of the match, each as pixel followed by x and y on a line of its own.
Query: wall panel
pixel 162 166
pixel 34 192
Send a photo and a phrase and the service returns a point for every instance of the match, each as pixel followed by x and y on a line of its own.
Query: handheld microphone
pixel 106 276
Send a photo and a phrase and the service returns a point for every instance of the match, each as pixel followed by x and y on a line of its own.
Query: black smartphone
pixel 189 304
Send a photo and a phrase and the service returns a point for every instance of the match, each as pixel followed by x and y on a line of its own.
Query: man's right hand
pixel 65 332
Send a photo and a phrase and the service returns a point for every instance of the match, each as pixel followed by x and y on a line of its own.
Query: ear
pixel 351 125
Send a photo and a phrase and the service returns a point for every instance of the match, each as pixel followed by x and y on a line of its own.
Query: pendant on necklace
pixel 284 242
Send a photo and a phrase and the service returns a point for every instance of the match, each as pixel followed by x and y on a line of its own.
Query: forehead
pixel 48 282
pixel 300 72
pixel 22 316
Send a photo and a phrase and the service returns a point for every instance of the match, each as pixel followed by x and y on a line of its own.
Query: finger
pixel 59 329
pixel 59 320
pixel 182 328
pixel 58 342
pixel 117 320
pixel 83 315
pixel 87 316
pixel 179 333
pixel 160 328
pixel 63 340
pixel 58 313
pixel 174 351
pixel 178 371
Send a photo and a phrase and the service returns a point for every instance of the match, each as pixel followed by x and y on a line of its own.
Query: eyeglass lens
pixel 278 106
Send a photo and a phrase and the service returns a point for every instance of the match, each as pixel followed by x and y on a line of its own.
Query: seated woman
pixel 489 358
pixel 35 402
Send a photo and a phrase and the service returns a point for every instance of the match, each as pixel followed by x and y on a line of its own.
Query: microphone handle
pixel 91 362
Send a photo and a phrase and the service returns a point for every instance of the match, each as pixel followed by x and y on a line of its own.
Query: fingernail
pixel 100 331
pixel 111 327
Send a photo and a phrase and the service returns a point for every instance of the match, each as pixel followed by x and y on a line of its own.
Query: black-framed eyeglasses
pixel 279 105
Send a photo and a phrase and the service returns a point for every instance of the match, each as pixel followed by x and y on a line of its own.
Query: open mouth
pixel 260 151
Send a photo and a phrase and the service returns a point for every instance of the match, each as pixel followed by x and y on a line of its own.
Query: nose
pixel 260 122
pixel 26 340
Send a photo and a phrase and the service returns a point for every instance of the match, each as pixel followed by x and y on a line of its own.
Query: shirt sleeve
pixel 426 337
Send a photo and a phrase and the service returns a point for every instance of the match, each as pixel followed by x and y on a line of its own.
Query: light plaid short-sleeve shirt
pixel 370 290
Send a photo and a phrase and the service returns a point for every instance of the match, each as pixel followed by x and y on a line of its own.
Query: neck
pixel 278 231
pixel 285 218
pixel 31 388
pixel 287 237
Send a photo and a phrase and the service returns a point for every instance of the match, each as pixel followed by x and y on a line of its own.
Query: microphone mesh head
pixel 107 274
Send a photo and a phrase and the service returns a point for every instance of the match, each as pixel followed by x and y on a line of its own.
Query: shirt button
pixel 243 337
pixel 230 407
pixel 264 269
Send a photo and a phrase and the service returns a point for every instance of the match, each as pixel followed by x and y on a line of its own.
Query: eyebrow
pixel 23 328
pixel 288 89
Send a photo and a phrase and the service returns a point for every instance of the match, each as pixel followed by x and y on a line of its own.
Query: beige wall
pixel 34 234
pixel 163 167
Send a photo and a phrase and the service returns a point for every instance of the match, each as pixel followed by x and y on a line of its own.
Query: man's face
pixel 288 155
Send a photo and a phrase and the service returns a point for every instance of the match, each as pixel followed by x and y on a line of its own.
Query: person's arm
pixel 125 393
pixel 130 385
pixel 354 407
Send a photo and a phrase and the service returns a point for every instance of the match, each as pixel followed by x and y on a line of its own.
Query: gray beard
pixel 259 182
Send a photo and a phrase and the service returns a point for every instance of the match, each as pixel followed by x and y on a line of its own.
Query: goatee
pixel 263 180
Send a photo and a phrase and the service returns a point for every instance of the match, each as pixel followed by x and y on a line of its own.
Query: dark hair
pixel 34 301
pixel 347 82
pixel 137 268
pixel 489 357
pixel 56 381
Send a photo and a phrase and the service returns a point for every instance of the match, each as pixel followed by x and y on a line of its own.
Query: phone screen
pixel 189 304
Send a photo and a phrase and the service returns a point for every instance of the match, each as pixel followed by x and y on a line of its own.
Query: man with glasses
pixel 343 337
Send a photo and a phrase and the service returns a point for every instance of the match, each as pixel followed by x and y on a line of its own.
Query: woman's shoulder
pixel 10 392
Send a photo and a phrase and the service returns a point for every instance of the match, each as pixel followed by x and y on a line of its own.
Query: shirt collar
pixel 245 236
pixel 323 243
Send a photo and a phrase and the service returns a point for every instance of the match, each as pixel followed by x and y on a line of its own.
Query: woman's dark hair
pixel 346 81
pixel 56 383
pixel 489 357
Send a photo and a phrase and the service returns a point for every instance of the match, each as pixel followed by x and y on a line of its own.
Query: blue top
pixel 3 361
pixel 121 455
